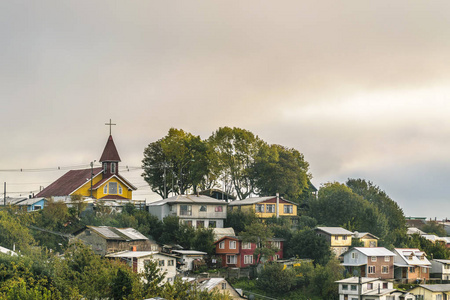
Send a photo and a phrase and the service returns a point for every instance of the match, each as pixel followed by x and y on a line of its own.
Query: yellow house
pixel 98 183
pixel 432 291
pixel 266 207
pixel 340 239
pixel 369 240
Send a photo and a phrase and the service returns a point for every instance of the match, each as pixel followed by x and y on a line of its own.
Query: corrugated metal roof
pixel 189 252
pixel 132 233
pixel 253 200
pixel 436 287
pixel 335 230
pixel 107 232
pixel 375 251
pixel 188 199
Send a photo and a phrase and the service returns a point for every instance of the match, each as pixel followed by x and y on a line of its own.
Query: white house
pixel 364 288
pixel 137 260
pixel 195 210
pixel 186 258
pixel 440 268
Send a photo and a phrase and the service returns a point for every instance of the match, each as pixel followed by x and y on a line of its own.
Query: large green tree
pixel 282 170
pixel 307 244
pixel 396 221
pixel 177 162
pixel 338 205
pixel 236 150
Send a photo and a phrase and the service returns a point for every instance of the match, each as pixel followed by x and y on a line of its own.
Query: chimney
pixel 133 248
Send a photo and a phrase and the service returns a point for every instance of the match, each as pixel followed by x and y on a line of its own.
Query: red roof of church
pixel 110 152
pixel 68 183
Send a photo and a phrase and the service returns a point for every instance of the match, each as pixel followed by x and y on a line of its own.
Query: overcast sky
pixel 361 88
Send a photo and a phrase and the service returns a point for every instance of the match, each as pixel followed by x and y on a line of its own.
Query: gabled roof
pixel 118 177
pixel 137 254
pixel 334 230
pixel 110 152
pixel 30 201
pixel 68 183
pixel 188 199
pixel 436 287
pixel 414 253
pixel 254 200
pixel 360 235
pixel 373 251
pixel 117 234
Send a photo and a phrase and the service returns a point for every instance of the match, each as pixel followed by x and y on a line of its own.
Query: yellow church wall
pixel 85 189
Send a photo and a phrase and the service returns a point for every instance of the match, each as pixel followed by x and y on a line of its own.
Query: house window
pixel 345 287
pixel 246 245
pixel 344 238
pixel 275 257
pixel 113 168
pixel 439 297
pixel 371 269
pixel 105 167
pixel 370 286
pixel 387 258
pixel 424 270
pixel 248 259
pixel 231 259
pixel 353 287
pixel 336 237
pixel 218 208
pixel 188 222
pixel 385 269
pixel 120 189
pixel 113 187
pixel 212 224
pixel 232 244
pixel 222 245
pixel 374 258
pixel 354 255
pixel 170 262
pixel 276 244
pixel 105 189
pixel 270 208
pixel 200 224
pixel 37 207
pixel 224 286
pixel 185 210
pixel 288 209
pixel 202 208
pixel 411 270
pixel 385 285
pixel 259 208
pixel 161 263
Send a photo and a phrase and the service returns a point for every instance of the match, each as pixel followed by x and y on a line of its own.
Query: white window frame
pixel 371 269
pixel 120 189
pixel 270 208
pixel 248 259
pixel 231 259
pixel 232 244
pixel 246 245
pixel 222 245
pixel 288 209
pixel 383 268
pixel 373 258
pixel 105 189
pixel 259 208
pixel 113 168
pixel 387 258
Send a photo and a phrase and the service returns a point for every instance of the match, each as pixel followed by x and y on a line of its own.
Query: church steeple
pixel 110 158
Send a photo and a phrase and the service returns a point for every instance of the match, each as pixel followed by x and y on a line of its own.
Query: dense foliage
pixel 233 159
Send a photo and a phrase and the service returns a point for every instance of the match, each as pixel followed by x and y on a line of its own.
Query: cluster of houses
pixel 374 269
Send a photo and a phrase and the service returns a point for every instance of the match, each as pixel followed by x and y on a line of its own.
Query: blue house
pixel 31 204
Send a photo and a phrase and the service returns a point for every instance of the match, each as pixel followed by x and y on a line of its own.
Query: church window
pixel 113 168
pixel 113 187
pixel 105 167
pixel 105 189
pixel 120 189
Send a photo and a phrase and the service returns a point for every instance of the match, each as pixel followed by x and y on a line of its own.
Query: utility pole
pixel 4 195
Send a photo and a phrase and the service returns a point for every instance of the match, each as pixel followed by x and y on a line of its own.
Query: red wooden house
pixel 239 254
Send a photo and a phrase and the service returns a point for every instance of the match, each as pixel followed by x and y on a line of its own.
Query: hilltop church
pixel 101 183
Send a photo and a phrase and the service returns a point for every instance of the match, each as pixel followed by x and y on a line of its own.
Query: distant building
pixel 186 259
pixel 106 239
pixel 100 183
pixel 440 268
pixel 364 288
pixel 370 262
pixel 411 265
pixel 339 239
pixel 219 285
pixel 138 259
pixel 194 210
pixel 367 238
pixel 25 203
pixel 431 291
pixel 266 207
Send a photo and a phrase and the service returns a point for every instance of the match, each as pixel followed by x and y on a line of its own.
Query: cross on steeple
pixel 110 124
